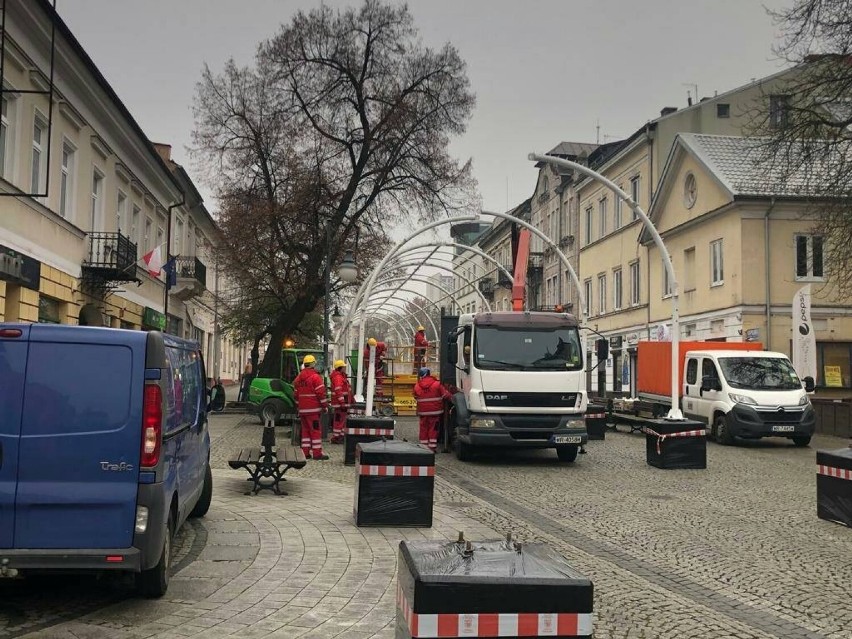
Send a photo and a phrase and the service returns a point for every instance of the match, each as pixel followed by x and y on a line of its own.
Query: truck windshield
pixel 760 373
pixel 514 348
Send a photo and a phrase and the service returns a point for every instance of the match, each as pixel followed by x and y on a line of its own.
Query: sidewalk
pixel 277 567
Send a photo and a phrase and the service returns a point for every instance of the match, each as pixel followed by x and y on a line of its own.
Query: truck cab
pixel 521 382
pixel 747 394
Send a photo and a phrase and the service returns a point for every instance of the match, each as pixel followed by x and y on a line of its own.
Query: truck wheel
pixel 801 441
pixel 464 451
pixel 154 582
pixel 271 409
pixel 567 453
pixel 723 433
pixel 203 504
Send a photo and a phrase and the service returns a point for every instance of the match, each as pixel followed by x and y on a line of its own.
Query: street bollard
pixel 834 485
pixel 361 429
pixel 675 444
pixel 595 421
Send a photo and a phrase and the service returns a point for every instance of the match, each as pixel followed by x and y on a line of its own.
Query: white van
pixel 748 394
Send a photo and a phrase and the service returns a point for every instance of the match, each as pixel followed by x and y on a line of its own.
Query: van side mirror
pixel 452 350
pixel 810 386
pixel 602 349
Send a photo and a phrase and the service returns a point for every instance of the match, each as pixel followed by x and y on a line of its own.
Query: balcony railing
pixel 502 279
pixel 112 257
pixel 191 268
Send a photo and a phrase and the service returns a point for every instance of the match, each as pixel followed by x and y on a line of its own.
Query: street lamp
pixel 348 272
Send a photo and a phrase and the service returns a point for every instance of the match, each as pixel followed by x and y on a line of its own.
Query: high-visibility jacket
pixel 310 392
pixel 430 394
pixel 341 391
pixel 420 343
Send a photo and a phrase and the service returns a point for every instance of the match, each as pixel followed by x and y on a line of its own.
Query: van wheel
pixel 723 433
pixel 271 409
pixel 464 451
pixel 203 504
pixel 801 441
pixel 154 582
pixel 567 453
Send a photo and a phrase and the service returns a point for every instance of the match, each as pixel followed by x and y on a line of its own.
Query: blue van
pixel 104 449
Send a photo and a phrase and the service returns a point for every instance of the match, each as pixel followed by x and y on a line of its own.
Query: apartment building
pixel 614 267
pixel 85 195
pixel 467 267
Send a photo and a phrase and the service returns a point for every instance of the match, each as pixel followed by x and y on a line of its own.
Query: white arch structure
pixel 675 412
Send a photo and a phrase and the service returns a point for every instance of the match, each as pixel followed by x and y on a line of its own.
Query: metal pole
pixel 675 412
pixel 327 285
pixel 216 318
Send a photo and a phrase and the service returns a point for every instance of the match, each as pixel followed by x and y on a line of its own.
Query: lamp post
pixel 348 272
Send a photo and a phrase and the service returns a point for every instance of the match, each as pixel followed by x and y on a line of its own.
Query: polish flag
pixel 154 262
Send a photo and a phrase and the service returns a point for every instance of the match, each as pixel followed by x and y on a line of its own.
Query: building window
pixel 39 142
pixel 587 293
pixel 634 193
pixel 616 289
pixel 723 110
pixel 97 201
pixel 589 225
pixel 689 270
pixel 779 111
pixel 834 364
pixel 602 294
pixel 634 283
pixel 178 243
pixel 717 274
pixel 667 284
pixel 135 229
pixel 617 206
pixel 147 238
pixel 809 257
pixel 121 214
pixel 602 217
pixel 161 237
pixel 66 181
pixel 49 310
pixel 6 135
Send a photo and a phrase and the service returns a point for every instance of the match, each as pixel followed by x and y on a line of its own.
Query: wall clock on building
pixel 690 191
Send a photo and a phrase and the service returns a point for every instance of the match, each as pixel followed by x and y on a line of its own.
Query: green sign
pixel 154 319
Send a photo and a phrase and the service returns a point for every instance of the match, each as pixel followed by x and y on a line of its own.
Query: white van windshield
pixel 512 348
pixel 760 373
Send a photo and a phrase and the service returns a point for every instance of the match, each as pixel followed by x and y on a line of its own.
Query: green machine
pixel 273 398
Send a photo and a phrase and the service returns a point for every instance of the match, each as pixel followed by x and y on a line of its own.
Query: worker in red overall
pixel 420 346
pixel 311 402
pixel 341 399
pixel 430 395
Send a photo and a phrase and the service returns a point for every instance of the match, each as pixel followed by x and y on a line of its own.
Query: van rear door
pixel 13 366
pixel 80 438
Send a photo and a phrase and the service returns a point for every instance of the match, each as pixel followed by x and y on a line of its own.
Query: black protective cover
pixel 834 494
pixel 436 577
pixel 675 452
pixel 361 421
pixel 394 500
pixel 596 426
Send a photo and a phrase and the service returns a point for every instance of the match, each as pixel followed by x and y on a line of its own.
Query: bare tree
pixel 344 122
pixel 804 127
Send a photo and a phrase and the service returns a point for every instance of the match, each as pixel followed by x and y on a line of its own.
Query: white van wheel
pixel 723 433
pixel 154 582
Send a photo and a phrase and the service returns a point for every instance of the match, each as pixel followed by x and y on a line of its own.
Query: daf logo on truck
pixel 497 397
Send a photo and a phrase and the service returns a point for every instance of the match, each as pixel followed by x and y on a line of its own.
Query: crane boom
pixel 519 270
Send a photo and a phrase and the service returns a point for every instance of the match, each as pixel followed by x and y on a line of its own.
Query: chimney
pixel 688 100
pixel 164 151
pixel 667 111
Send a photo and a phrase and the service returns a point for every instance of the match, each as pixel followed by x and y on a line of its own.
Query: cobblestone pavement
pixel 732 551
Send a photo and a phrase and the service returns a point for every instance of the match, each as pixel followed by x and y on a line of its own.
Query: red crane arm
pixel 522 257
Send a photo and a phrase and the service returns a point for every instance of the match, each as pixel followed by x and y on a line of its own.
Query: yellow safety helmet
pixel 372 341
pixel 309 360
pixel 339 363
pixel 421 328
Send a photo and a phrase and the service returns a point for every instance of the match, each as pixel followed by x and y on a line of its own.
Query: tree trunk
pixel 255 352
pixel 271 366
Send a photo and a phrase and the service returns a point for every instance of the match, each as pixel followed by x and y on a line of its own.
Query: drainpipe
pixel 767 278
pixel 172 207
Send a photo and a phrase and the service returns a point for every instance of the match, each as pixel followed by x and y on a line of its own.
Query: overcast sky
pixel 543 70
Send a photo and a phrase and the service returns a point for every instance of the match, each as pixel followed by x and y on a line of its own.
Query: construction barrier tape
pixel 661 438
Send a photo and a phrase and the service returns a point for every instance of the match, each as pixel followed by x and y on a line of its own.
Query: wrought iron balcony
pixel 111 260
pixel 536 263
pixel 502 280
pixel 486 286
pixel 191 277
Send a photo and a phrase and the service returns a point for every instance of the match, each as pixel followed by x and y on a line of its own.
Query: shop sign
pixel 615 342
pixel 833 376
pixel 19 269
pixel 154 319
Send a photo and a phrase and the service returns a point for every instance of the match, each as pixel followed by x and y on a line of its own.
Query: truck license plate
pixel 783 429
pixel 567 439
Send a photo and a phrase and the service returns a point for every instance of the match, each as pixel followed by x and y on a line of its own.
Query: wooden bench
pixel 268 462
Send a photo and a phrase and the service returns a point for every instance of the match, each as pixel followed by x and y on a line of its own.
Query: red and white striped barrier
pixel 594 416
pixel 837 473
pixel 387 432
pixel 701 432
pixel 521 624
pixel 396 471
